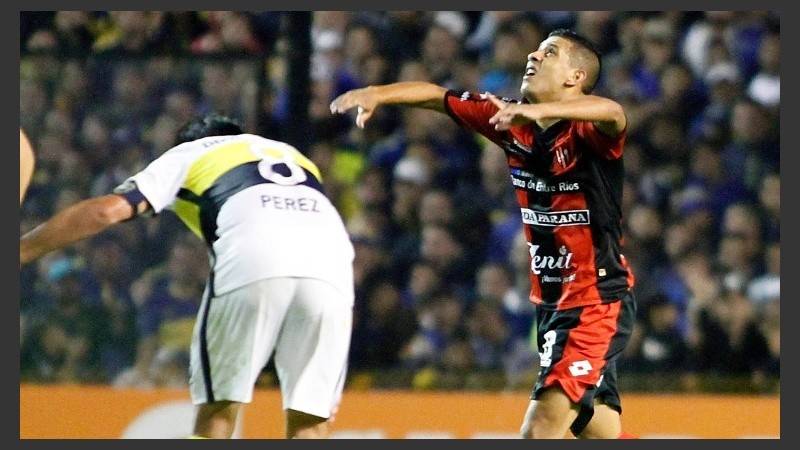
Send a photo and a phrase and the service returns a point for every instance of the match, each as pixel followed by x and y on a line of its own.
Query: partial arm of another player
pixel 409 93
pixel 607 115
pixel 77 222
pixel 27 161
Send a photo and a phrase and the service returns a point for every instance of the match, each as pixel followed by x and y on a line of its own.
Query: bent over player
pixel 281 278
pixel 564 148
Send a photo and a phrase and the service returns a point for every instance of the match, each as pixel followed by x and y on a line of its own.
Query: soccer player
pixel 564 148
pixel 27 161
pixel 281 269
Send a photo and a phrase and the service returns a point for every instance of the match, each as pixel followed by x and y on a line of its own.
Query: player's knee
pixel 605 424
pixel 546 425
pixel 551 416
pixel 216 420
pixel 301 425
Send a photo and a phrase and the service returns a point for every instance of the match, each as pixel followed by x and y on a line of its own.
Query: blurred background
pixel 441 265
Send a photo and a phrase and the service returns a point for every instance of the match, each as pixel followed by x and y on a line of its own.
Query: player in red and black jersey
pixel 564 147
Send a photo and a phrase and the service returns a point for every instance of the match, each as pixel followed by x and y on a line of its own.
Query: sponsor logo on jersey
pixel 515 146
pixel 580 368
pixel 549 262
pixel 555 218
pixel 523 180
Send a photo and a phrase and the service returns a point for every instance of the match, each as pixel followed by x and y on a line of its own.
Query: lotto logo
pixel 580 368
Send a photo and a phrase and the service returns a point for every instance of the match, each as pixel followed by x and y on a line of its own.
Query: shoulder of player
pixel 468 95
pixel 201 146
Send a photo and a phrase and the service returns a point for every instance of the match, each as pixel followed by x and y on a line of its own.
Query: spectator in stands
pixel 731 342
pixel 228 31
pixel 441 317
pixel 64 344
pixel 423 283
pixel 658 50
pixel 769 197
pixel 764 289
pixel 441 50
pixel 74 31
pixel 501 73
pixel 741 244
pixel 383 329
pixel 167 300
pixel 765 86
pixel 372 217
pixel 661 343
pixel 137 32
pixel 754 147
pixel 497 348
pixel 495 284
pixel 105 281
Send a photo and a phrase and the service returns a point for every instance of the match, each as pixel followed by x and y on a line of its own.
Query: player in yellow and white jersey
pixel 281 260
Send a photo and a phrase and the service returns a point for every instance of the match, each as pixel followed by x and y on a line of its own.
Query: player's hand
pixel 360 98
pixel 508 114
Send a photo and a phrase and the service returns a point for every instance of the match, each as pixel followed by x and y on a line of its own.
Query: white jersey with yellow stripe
pixel 260 206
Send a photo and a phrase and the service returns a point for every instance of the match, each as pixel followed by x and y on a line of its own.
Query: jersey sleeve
pixel 161 180
pixel 605 146
pixel 473 111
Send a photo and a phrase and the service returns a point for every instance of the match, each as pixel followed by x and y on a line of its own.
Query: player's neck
pixel 547 123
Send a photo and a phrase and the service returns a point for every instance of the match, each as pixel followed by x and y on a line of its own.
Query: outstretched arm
pixel 27 161
pixel 409 93
pixel 76 222
pixel 607 115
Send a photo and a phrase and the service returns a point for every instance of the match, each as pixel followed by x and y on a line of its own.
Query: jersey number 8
pixel 274 156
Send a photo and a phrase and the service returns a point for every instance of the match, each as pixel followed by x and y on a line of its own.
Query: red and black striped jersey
pixel 568 179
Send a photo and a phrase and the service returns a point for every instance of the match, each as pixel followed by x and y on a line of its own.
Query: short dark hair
pixel 212 124
pixel 584 43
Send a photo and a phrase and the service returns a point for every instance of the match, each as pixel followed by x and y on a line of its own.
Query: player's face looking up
pixel 546 70
pixel 557 64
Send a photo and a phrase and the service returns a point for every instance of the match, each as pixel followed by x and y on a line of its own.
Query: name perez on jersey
pixel 303 204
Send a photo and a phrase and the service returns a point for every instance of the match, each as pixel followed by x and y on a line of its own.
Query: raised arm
pixel 607 115
pixel 74 223
pixel 409 93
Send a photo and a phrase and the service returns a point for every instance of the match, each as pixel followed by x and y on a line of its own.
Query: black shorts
pixel 578 349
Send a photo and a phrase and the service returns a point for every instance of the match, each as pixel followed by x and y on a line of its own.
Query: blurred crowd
pixel 441 262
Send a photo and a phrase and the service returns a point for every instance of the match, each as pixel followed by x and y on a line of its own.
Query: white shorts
pixel 306 321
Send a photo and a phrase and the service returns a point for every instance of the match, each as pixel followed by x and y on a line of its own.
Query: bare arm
pixel 26 164
pixel 410 93
pixel 607 115
pixel 74 223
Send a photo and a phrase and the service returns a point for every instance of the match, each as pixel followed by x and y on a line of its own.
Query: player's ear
pixel 576 77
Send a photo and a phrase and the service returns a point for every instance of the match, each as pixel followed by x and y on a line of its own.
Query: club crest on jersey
pixel 563 156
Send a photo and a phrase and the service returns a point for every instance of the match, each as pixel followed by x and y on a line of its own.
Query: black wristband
pixel 131 193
